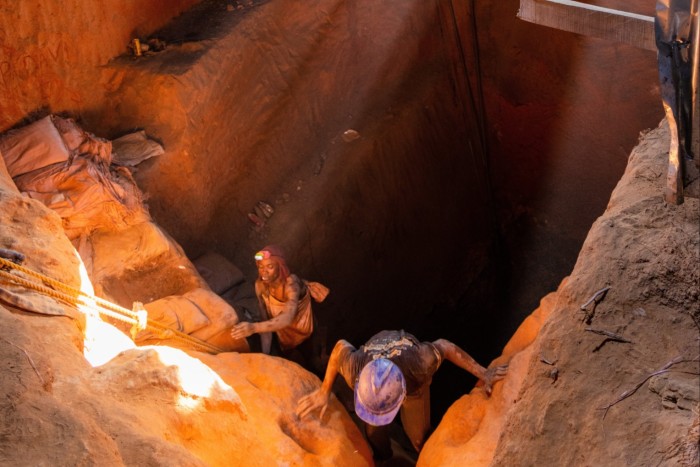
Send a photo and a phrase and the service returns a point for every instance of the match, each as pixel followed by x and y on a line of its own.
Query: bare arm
pixel 319 398
pixel 463 360
pixel 281 321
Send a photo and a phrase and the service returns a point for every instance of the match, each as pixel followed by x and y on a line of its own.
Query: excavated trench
pixel 436 164
pixel 432 188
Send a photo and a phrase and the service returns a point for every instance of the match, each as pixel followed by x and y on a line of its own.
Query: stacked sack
pixel 128 257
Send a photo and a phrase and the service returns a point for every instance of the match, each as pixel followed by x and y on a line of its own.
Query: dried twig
pixel 610 335
pixel 595 299
pixel 31 362
pixel 548 361
pixel 629 392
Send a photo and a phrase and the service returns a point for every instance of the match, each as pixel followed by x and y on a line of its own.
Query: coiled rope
pixel 76 297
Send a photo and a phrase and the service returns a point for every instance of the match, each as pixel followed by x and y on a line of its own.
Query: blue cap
pixel 379 392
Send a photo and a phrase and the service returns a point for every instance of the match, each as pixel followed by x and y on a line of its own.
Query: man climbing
pixel 285 303
pixel 393 372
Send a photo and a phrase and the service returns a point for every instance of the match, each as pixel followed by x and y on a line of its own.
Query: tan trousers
pixel 415 418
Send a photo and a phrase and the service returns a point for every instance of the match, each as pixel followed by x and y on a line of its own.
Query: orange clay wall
pixel 49 50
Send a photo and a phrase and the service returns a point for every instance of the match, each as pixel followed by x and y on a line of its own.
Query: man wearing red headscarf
pixel 284 300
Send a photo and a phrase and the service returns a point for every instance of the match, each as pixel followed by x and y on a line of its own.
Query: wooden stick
pixel 629 392
pixel 610 335
pixel 599 295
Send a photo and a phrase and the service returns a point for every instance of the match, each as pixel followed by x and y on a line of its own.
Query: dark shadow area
pixel 427 221
pixel 207 20
pixel 189 36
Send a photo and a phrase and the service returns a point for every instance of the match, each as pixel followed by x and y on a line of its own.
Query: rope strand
pixel 75 297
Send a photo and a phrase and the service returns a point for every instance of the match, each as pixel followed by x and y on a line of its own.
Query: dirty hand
pixel 242 330
pixel 492 375
pixel 311 402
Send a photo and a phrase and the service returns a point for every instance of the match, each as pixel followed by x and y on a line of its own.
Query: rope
pixel 75 297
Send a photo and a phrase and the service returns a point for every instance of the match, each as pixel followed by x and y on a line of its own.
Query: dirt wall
pixel 259 111
pixel 410 224
pixel 51 51
pixel 564 111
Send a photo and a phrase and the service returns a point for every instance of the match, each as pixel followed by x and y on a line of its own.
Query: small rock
pixel 350 135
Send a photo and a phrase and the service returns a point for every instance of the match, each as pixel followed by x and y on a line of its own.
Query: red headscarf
pixel 275 253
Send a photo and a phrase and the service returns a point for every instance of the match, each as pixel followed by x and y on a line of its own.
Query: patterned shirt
pixel 418 361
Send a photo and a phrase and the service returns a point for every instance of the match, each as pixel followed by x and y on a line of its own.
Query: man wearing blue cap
pixel 392 372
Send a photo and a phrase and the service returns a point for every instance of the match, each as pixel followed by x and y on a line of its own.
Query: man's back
pixel 417 360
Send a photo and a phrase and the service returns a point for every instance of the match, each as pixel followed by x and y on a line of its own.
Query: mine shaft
pixel 267 185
